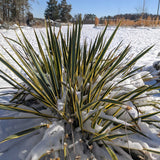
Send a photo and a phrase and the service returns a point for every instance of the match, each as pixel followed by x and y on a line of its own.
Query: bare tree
pixel 158 7
pixel 143 8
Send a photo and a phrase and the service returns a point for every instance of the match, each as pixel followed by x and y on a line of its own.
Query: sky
pixel 99 7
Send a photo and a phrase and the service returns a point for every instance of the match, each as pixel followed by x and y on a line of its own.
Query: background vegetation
pixel 56 11
pixel 14 10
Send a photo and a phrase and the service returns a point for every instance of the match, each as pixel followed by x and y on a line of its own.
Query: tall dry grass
pixel 96 21
pixel 148 22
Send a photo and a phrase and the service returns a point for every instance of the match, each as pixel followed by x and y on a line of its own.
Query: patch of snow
pixel 52 139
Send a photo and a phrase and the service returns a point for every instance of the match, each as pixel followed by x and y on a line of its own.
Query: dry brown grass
pixel 149 22
pixel 129 22
pixel 157 21
pixel 105 22
pixel 96 21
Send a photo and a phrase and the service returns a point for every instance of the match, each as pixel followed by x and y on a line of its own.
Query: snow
pixel 52 139
pixel 39 142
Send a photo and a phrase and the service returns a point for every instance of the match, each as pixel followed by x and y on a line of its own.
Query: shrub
pixel 96 21
pixel 105 22
pixel 87 79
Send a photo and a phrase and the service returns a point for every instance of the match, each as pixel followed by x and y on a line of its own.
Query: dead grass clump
pixel 96 21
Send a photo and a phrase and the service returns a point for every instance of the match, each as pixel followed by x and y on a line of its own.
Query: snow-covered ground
pixel 139 39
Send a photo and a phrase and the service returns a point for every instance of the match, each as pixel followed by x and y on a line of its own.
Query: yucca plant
pixel 87 79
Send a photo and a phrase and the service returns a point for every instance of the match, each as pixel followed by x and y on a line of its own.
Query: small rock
pixel 156 65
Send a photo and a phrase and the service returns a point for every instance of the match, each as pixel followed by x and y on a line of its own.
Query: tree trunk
pixel 158 8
